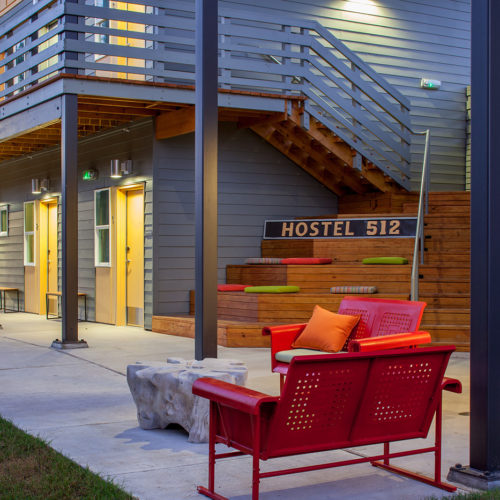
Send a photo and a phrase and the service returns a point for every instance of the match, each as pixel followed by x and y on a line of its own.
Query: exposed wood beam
pixel 297 155
pixel 175 123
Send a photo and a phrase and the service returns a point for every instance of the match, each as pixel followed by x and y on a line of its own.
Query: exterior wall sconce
pixel 39 185
pixel 119 169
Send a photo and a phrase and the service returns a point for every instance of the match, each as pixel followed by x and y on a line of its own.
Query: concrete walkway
pixel 79 401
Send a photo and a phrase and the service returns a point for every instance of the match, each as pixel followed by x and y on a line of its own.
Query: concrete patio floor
pixel 79 401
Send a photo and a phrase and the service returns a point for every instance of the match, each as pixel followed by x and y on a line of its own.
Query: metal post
pixel 484 469
pixel 69 232
pixel 206 122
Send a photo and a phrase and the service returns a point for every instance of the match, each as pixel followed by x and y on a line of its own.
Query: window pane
pixel 29 219
pixel 3 221
pixel 30 248
pixel 102 208
pixel 103 246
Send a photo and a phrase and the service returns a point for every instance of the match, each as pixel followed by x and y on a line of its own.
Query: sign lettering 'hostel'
pixel 374 227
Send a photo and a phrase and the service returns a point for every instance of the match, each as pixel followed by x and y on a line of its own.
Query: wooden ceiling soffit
pixel 249 122
pixel 175 123
pixel 290 149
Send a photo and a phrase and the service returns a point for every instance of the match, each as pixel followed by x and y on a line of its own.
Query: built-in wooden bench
pixel 277 308
pixel 59 294
pixel 319 279
pixel 3 290
pixel 229 333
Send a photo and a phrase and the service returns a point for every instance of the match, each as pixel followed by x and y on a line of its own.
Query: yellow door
pixel 52 255
pixel 135 257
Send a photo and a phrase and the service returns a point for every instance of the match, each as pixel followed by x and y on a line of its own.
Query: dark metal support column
pixel 206 122
pixel 484 469
pixel 69 232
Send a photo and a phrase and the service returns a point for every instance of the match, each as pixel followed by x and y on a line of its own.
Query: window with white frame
pixel 29 233
pixel 4 220
pixel 102 228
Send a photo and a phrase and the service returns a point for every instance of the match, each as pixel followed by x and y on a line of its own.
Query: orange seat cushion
pixel 326 331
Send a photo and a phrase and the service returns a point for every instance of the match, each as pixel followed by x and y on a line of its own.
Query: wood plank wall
pixel 255 183
pixel 405 41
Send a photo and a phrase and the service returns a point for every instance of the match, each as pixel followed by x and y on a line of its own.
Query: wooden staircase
pixel 323 154
pixel 444 278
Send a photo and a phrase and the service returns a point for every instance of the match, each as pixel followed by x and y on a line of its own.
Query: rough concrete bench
pixel 163 394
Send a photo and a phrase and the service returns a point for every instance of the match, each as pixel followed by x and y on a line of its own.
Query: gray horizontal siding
pixel 94 152
pixel 255 183
pixel 405 40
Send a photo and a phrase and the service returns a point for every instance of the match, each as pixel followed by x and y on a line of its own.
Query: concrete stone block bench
pixel 163 394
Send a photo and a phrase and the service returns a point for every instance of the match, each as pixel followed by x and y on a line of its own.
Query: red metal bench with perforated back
pixel 378 317
pixel 331 402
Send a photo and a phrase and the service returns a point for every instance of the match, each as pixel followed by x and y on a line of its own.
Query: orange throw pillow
pixel 326 331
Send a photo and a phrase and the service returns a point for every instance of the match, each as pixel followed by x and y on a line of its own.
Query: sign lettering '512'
pixel 373 227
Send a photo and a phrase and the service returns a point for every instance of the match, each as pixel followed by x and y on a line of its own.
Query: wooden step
pixel 319 279
pixel 346 250
pixel 450 208
pixel 458 335
pixel 447 235
pixel 256 275
pixel 444 316
pixel 443 287
pixel 277 308
pixel 457 300
pixel 229 333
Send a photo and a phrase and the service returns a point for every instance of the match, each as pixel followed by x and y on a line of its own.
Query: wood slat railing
pixel 153 41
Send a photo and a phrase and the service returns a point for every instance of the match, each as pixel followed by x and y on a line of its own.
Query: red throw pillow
pixel 326 331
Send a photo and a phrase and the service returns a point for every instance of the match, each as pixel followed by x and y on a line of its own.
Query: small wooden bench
pixel 332 402
pixel 59 294
pixel 3 290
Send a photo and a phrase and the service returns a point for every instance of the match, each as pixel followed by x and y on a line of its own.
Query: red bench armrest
pixel 452 385
pixel 282 337
pixel 231 395
pixel 397 340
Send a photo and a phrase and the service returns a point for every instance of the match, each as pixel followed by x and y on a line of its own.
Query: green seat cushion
pixel 385 260
pixel 286 356
pixel 272 289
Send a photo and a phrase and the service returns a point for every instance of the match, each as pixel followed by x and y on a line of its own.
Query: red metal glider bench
pixel 331 402
pixel 378 318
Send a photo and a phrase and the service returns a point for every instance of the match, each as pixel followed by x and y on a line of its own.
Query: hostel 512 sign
pixel 374 227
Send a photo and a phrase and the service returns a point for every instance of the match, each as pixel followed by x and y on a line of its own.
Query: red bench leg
pixel 437 461
pixel 210 491
pixel 256 458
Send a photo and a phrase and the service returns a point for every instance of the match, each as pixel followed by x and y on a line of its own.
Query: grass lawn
pixel 30 469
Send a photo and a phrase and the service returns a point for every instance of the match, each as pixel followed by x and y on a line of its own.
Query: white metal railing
pixel 423 207
pixel 153 40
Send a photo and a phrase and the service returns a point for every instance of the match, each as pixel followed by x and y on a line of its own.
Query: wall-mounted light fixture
pixel 39 185
pixel 119 169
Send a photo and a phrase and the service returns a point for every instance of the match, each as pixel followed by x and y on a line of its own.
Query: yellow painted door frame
pixel 32 260
pixel 48 254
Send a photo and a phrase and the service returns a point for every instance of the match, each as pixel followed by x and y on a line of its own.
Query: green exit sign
pixel 89 175
pixel 427 83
